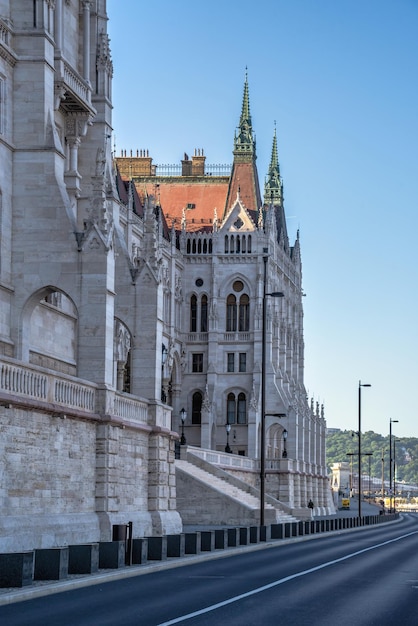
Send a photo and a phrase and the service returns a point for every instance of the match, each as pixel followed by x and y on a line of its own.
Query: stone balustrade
pixel 34 383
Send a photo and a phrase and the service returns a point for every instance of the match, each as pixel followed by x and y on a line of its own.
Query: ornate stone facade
pixel 77 453
pixel 118 310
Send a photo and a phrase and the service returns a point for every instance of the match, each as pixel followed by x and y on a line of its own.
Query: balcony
pixel 73 91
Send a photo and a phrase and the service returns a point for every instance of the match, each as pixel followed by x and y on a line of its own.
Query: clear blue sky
pixel 339 77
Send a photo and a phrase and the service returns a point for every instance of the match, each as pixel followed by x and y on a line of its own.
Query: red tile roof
pixel 198 197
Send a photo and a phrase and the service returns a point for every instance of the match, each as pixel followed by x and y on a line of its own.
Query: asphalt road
pixel 364 577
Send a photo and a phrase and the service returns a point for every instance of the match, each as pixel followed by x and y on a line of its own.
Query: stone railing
pixel 76 83
pixel 237 336
pixel 223 459
pixel 132 409
pixel 5 34
pixel 35 383
pixel 197 337
pixel 32 382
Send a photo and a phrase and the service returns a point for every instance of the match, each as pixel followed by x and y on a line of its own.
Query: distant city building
pixel 128 294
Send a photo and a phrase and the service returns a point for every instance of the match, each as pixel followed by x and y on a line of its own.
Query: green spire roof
pixel 245 113
pixel 273 188
pixel 244 142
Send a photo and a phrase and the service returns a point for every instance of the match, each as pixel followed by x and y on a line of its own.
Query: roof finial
pixel 245 113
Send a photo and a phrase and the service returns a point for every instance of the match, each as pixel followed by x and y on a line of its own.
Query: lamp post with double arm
pixel 360 385
pixel 391 421
pixel 274 294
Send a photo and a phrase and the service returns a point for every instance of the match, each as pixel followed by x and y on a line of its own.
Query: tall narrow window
pixel 230 409
pixel 242 361
pixel 231 362
pixel 231 313
pixel 197 362
pixel 244 313
pixel 204 314
pixel 242 409
pixel 193 314
pixel 226 243
pixel 197 408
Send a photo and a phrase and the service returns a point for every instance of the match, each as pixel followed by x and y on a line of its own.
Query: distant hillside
pixel 339 442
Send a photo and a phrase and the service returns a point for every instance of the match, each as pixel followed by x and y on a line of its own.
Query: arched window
pixel 242 409
pixel 197 400
pixel 232 244
pixel 193 314
pixel 231 313
pixel 230 409
pixel 244 243
pixel 226 243
pixel 204 314
pixel 244 314
pixel 236 409
pixel 249 244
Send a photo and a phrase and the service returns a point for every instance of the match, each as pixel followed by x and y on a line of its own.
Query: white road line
pixel 275 583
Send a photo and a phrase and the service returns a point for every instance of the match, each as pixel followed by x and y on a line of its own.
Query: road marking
pixel 275 583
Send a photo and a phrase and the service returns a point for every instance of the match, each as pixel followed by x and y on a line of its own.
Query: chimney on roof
pixel 139 165
pixel 198 163
pixel 186 166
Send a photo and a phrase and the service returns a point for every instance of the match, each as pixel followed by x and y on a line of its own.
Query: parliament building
pixel 151 319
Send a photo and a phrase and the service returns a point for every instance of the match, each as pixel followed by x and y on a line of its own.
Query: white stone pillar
pixel 58 24
pixel 73 143
pixel 87 4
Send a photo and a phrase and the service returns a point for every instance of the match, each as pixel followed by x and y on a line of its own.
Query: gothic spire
pixel 245 113
pixel 244 142
pixel 244 176
pixel 273 188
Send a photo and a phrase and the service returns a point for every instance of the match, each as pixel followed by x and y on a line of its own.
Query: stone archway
pixel 49 331
pixel 122 356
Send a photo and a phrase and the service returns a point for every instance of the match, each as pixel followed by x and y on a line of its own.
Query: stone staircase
pixel 210 496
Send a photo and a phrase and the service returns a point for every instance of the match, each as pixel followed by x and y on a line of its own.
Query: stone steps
pixel 252 502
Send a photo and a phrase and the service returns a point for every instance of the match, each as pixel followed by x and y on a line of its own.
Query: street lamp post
pixel 360 385
pixel 183 415
pixel 228 430
pixel 383 472
pixel 394 474
pixel 274 294
pixel 284 454
pixel 351 454
pixel 369 454
pixel 391 421
pixel 164 353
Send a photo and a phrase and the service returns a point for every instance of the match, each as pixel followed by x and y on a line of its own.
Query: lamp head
pixel 183 415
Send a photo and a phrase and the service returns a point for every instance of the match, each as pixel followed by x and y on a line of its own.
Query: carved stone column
pixel 75 127
pixel 58 25
pixel 87 5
